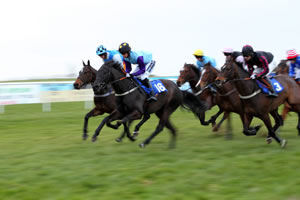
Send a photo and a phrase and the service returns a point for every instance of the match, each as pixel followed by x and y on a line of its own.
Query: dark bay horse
pixel 256 104
pixel 104 100
pixel 131 103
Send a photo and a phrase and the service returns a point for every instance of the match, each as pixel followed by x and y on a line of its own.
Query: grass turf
pixel 42 156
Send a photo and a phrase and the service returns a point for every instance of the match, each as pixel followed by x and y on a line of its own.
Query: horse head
pixel 86 75
pixel 190 73
pixel 209 74
pixel 282 67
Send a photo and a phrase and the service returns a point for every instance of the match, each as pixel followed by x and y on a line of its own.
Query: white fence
pixel 47 93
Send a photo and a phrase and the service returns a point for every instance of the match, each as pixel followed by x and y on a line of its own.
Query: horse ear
pixel 88 63
pixel 83 63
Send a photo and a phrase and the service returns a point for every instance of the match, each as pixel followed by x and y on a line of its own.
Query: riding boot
pixel 272 90
pixel 148 85
pixel 297 80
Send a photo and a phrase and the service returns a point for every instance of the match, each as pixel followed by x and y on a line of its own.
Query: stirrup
pixel 152 98
pixel 272 94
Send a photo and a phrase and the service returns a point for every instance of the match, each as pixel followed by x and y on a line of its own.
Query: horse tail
pixel 192 103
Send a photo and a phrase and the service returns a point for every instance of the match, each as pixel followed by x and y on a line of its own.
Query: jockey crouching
pixel 294 70
pixel 108 55
pixel 261 59
pixel 144 62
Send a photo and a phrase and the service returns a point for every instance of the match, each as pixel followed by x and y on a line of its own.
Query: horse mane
pixel 215 70
pixel 194 68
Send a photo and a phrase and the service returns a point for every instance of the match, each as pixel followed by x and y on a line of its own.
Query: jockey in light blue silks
pixel 294 70
pixel 144 62
pixel 108 55
pixel 202 60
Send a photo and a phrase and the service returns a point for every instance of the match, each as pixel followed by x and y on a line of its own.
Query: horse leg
pixel 271 133
pixel 138 126
pixel 246 122
pixel 298 126
pixel 173 132
pixel 120 138
pixel 94 112
pixel 278 120
pixel 285 111
pixel 228 135
pixel 163 116
pixel 213 118
pixel 201 117
pixel 225 115
pixel 113 116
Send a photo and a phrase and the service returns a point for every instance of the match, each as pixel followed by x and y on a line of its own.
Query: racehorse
pixel 131 98
pixel 192 74
pixel 104 100
pixel 256 104
pixel 283 68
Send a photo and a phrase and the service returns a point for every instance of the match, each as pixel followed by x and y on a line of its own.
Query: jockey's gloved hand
pixel 128 75
pixel 253 76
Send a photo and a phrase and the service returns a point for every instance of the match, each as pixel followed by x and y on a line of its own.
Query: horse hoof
pixel 283 143
pixel 269 140
pixel 257 127
pixel 132 139
pixel 84 137
pixel 118 140
pixel 142 145
pixel 215 129
pixel 135 134
pixel 94 139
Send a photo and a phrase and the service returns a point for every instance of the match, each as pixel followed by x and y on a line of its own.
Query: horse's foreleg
pixel 138 126
pixel 246 123
pixel 113 116
pixel 92 113
pixel 213 118
pixel 216 127
pixel 126 131
pixel 298 126
pixel 201 117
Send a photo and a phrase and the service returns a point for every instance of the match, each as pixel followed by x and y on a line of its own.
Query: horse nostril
pixel 75 85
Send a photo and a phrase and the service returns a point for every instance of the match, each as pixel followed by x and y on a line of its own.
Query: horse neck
pixel 121 85
pixel 194 81
pixel 244 87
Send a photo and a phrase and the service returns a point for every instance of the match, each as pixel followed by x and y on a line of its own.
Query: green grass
pixel 42 156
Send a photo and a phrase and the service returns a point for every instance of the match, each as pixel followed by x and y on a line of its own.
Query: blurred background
pixel 48 39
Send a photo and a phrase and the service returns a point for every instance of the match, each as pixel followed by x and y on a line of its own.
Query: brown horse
pixel 131 100
pixel 192 75
pixel 104 100
pixel 256 104
pixel 283 68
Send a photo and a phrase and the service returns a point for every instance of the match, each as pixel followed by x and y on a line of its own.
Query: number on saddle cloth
pixel 276 85
pixel 157 86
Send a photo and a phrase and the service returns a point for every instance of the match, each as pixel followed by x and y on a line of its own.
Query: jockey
pixel 144 62
pixel 202 60
pixel 108 55
pixel 261 59
pixel 235 56
pixel 294 70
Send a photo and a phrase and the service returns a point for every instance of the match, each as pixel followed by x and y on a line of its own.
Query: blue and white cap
pixel 101 50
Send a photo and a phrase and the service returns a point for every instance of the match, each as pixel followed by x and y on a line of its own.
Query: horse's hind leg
pixel 173 131
pixel 163 116
pixel 278 120
pixel 213 118
pixel 271 133
pixel 92 113
pixel 138 126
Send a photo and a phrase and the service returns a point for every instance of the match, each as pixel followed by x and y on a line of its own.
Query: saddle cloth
pixel 157 85
pixel 276 85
